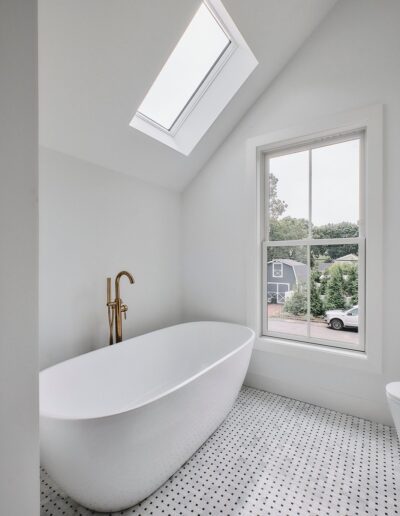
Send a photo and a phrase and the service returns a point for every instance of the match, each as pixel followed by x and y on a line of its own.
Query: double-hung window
pixel 314 242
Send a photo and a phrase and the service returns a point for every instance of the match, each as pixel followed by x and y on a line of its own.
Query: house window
pixel 313 222
pixel 277 269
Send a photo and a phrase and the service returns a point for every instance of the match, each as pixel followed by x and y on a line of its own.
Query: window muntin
pixel 277 269
pixel 191 63
pixel 318 241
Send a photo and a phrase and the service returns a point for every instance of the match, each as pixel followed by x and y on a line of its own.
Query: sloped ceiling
pixel 98 58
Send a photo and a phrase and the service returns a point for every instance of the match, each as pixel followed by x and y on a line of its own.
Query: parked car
pixel 339 319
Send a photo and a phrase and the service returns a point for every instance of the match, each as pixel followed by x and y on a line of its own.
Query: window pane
pixel 286 296
pixel 288 196
pixel 200 47
pixel 334 293
pixel 335 190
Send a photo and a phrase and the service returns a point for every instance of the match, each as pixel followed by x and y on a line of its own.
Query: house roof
pixel 347 258
pixel 324 265
pixel 288 261
pixel 300 269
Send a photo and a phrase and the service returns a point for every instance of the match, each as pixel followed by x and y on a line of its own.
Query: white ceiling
pixel 98 58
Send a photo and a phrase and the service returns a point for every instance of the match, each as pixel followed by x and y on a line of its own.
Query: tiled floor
pixel 275 456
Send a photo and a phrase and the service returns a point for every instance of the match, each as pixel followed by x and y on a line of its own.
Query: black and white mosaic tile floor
pixel 275 456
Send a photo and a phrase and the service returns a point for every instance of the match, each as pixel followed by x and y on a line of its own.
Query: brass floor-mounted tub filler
pixel 116 308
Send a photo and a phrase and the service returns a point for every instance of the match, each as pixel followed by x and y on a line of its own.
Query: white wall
pixel 19 432
pixel 352 60
pixel 93 223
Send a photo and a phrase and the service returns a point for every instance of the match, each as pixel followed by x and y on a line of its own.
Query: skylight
pixel 208 66
pixel 186 71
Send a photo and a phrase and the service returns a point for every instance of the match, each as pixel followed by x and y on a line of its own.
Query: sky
pixel 196 52
pixel 334 179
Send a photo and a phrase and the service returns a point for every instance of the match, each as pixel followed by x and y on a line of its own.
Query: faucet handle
pixel 124 309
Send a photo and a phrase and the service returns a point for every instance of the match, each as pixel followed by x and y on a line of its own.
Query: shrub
pixel 296 304
pixel 316 304
pixel 352 284
pixel 335 298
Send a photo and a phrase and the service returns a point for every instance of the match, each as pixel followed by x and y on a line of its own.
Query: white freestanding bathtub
pixel 116 423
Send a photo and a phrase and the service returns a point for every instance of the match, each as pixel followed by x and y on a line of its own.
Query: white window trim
pixel 309 241
pixel 231 72
pixel 369 120
pixel 273 270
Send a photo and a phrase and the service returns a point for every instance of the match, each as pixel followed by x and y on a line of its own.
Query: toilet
pixel 393 397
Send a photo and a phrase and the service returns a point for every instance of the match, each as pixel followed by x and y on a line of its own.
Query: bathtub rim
pixel 52 416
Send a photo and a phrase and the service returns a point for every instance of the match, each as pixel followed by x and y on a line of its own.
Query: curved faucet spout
pixel 116 308
pixel 118 277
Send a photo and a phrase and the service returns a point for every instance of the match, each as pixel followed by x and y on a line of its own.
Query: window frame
pixel 273 270
pixel 227 77
pixel 370 120
pixel 309 146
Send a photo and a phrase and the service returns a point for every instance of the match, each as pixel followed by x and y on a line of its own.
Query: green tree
pixel 292 228
pixel 335 298
pixel 276 206
pixel 316 304
pixel 352 284
pixel 296 304
pixel 323 281
pixel 339 230
pixel 288 228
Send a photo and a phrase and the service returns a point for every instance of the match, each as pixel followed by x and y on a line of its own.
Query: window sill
pixel 322 354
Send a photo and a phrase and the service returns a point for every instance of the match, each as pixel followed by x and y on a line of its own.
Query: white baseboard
pixel 360 407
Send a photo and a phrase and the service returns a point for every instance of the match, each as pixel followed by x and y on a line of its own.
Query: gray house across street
pixel 349 259
pixel 283 276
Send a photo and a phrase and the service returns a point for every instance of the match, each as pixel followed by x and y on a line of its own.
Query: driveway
pixel 318 330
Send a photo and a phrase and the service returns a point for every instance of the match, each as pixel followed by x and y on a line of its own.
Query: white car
pixel 339 319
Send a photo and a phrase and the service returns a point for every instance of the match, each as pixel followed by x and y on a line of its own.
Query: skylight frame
pixel 223 82
pixel 207 80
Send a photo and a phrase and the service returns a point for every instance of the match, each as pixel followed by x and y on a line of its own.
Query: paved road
pixel 318 330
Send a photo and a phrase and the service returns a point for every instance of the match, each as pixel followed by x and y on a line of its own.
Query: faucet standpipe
pixel 116 308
